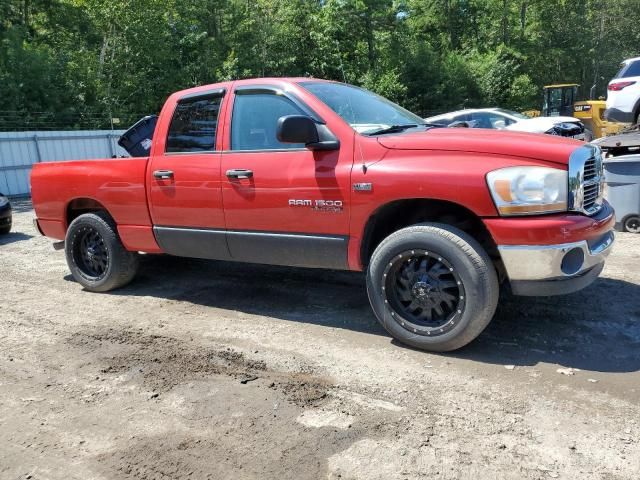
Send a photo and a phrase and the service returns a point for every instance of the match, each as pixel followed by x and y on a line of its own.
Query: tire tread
pixel 483 267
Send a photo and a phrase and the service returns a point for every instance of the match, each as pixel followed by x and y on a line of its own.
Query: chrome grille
pixel 591 189
pixel 590 170
pixel 586 179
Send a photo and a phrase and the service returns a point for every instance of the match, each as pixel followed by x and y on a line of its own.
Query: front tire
pixel 432 286
pixel 96 257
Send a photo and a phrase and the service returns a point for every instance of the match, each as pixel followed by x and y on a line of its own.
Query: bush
pixel 386 84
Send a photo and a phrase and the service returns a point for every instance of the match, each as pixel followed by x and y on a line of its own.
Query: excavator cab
pixel 559 100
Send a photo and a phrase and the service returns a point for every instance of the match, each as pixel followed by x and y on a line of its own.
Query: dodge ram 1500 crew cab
pixel 320 174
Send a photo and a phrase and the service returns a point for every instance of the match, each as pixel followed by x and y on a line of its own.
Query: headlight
pixel 3 200
pixel 528 190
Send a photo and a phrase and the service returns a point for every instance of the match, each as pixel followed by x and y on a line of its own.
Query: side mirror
pixel 297 129
pixel 303 129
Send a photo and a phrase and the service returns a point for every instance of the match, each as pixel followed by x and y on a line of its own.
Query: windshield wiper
pixel 398 128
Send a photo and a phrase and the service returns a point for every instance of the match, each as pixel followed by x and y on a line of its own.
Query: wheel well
pixel 403 213
pixel 635 112
pixel 80 206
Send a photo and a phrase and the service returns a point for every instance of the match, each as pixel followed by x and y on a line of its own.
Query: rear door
pixel 284 204
pixel 184 190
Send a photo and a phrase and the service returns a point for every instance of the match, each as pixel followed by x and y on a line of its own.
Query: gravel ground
pixel 218 370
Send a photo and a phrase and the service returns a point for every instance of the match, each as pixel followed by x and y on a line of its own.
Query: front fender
pixel 455 177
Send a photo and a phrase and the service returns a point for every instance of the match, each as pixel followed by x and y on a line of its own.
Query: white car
pixel 499 118
pixel 623 94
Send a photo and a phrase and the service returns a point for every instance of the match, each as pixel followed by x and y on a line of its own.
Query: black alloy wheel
pixel 425 291
pixel 90 253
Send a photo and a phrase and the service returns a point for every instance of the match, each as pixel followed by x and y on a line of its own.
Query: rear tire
pixel 4 230
pixel 432 286
pixel 96 257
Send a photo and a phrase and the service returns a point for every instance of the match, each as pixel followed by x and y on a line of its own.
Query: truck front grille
pixel 590 169
pixel 586 180
pixel 591 193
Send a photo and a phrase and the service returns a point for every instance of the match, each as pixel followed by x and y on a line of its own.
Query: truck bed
pixel 118 184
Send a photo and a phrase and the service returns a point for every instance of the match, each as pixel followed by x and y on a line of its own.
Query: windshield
pixel 512 113
pixel 365 111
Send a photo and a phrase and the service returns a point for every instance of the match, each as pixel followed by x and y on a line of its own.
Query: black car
pixel 5 215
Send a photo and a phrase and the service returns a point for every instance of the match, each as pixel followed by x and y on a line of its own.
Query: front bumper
pixel 542 270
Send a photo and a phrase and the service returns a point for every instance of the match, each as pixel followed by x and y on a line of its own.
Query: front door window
pixel 254 121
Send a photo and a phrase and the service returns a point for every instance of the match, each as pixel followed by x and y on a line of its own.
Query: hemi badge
pixel 362 187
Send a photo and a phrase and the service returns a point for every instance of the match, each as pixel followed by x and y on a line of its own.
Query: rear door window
pixel 481 120
pixel 631 69
pixel 194 124
pixel 461 117
pixel 489 120
pixel 443 122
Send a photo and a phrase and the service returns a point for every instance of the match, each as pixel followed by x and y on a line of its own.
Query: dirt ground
pixel 230 371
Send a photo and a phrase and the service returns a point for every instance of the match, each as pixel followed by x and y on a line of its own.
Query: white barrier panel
pixel 20 150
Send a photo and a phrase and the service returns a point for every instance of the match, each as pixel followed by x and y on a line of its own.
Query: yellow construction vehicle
pixel 560 100
pixel 591 113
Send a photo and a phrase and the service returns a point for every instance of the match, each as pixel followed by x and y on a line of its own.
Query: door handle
pixel 163 174
pixel 239 173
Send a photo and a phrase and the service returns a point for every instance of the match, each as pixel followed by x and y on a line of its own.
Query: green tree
pixel 78 63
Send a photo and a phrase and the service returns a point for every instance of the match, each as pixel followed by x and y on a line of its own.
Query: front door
pixel 185 195
pixel 284 204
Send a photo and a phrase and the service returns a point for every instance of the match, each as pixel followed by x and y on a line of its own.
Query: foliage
pixel 78 63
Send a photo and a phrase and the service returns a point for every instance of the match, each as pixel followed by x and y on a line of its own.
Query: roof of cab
pixel 248 81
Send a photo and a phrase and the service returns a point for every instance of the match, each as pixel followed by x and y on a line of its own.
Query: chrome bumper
pixel 554 267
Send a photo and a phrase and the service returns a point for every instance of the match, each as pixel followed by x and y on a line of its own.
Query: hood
pixel 549 148
pixel 539 124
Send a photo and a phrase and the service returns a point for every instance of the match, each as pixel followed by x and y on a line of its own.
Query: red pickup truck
pixel 320 174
